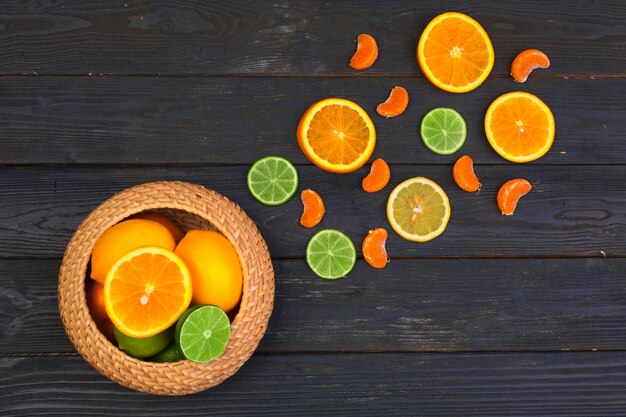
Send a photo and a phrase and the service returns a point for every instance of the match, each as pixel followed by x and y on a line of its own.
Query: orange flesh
pixel 510 193
pixel 520 126
pixel 378 177
pixel 374 250
pixel 526 62
pixel 342 147
pixel 464 176
pixel 396 104
pixel 313 208
pixel 455 53
pixel 147 293
pixel 366 52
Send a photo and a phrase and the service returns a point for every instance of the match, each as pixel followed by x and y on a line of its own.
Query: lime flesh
pixel 443 131
pixel 272 180
pixel 202 333
pixel 330 254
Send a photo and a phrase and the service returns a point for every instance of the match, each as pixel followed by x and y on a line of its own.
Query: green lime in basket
pixel 171 353
pixel 330 254
pixel 143 347
pixel 272 180
pixel 202 333
pixel 443 131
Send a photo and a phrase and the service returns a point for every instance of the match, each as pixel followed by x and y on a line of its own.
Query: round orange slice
pixel 519 126
pixel 455 53
pixel 336 135
pixel 146 291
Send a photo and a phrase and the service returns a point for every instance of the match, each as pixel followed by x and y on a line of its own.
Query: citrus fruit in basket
pixel 202 333
pixel 331 254
pixel 171 353
pixel 336 135
pixel 443 131
pixel 215 268
pixel 455 53
pixel 124 237
pixel 177 234
pixel 519 126
pixel 272 180
pixel 95 300
pixel 143 347
pixel 146 291
pixel 418 209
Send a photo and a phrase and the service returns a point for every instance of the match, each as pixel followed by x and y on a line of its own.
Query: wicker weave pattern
pixel 191 207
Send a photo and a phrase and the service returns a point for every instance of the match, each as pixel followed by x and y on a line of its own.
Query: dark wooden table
pixel 500 316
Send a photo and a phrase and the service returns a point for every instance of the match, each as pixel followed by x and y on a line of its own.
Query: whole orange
pixel 123 238
pixel 174 230
pixel 95 300
pixel 215 268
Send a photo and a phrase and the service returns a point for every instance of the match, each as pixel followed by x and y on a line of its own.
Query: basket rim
pixel 247 328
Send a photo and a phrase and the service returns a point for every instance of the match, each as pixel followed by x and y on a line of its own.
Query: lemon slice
pixel 418 209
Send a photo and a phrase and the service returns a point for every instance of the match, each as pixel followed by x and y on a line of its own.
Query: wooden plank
pixel 287 37
pixel 573 211
pixel 468 385
pixel 235 120
pixel 430 305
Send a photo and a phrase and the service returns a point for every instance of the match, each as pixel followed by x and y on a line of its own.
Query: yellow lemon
pixel 215 268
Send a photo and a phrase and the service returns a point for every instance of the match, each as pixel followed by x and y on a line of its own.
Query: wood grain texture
pixel 291 37
pixel 572 211
pixel 468 385
pixel 235 120
pixel 429 305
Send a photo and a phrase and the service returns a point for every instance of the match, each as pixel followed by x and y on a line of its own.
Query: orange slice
pixel 146 291
pixel 519 126
pixel 455 53
pixel 336 135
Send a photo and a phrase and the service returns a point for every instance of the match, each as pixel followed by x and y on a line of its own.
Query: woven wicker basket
pixel 190 207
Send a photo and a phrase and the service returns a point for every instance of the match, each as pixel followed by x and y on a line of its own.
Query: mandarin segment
pixel 378 177
pixel 374 250
pixel 509 194
pixel 464 176
pixel 366 52
pixel 527 61
pixel 313 208
pixel 395 104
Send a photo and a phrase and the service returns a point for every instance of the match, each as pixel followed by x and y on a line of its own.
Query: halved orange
pixel 519 126
pixel 146 291
pixel 455 53
pixel 336 135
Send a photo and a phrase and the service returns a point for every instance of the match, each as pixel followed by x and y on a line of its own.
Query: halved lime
pixel 171 353
pixel 202 333
pixel 143 347
pixel 331 254
pixel 443 131
pixel 272 180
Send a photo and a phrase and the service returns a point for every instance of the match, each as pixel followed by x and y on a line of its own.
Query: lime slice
pixel 443 131
pixel 202 333
pixel 331 254
pixel 272 180
pixel 143 347
pixel 171 353
pixel 418 209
